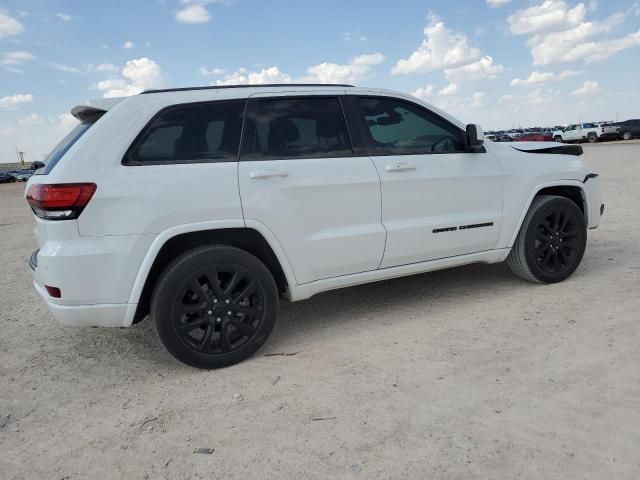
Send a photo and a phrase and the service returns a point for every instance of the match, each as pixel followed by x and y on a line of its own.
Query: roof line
pixel 221 87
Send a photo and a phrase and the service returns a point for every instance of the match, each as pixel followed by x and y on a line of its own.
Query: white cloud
pixel 16 58
pixel 264 76
pixel 535 97
pixel 354 71
pixel 64 17
pixel 213 71
pixel 127 45
pixel 67 68
pixel 424 93
pixel 9 26
pixel 17 99
pixel 551 15
pixel 450 89
pixel 497 3
pixel 587 88
pixel 440 49
pixel 103 67
pixel 193 13
pixel 477 99
pixel 546 52
pixel 357 69
pixel 65 122
pixel 541 78
pixel 464 66
pixel 111 84
pixel 560 34
pixel 349 36
pixel 137 75
pixel 479 70
pixel 33 119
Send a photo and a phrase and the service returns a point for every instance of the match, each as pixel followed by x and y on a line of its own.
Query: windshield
pixel 61 148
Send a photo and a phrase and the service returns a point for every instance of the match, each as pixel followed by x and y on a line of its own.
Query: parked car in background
pixel 585 132
pixel 629 129
pixel 5 177
pixel 534 137
pixel 491 136
pixel 22 175
pixel 514 133
pixel 503 136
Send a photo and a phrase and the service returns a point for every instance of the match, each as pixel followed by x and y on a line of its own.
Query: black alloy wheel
pixel 214 306
pixel 551 241
pixel 557 241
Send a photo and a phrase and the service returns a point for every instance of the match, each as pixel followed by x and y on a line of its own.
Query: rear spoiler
pixel 94 109
pixel 549 147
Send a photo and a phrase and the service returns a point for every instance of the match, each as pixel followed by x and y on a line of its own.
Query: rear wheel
pixel 214 306
pixel 626 136
pixel 551 241
pixel 558 138
pixel 592 138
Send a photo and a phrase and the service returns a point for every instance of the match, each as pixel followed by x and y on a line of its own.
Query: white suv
pixel 204 206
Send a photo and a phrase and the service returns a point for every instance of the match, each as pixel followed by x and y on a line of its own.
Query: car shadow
pixel 384 298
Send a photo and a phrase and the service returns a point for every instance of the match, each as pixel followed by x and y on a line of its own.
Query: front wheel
pixel 214 306
pixel 558 138
pixel 551 241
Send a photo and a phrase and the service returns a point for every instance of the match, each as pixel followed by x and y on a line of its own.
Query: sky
pixel 499 63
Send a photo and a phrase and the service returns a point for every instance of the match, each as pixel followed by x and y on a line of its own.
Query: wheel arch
pixel 168 245
pixel 571 189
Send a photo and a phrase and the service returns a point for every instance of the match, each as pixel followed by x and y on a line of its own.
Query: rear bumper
pixel 103 315
pixel 94 276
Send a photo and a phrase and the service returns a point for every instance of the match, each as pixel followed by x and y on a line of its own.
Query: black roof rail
pixel 221 87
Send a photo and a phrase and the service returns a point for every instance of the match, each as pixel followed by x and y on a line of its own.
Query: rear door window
pixel 203 132
pixel 298 128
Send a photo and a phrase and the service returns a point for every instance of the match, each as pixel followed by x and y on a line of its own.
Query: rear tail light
pixel 62 201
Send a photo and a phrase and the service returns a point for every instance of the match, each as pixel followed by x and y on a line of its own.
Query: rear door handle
pixel 399 167
pixel 261 174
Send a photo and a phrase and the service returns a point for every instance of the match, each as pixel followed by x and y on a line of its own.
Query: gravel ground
pixel 458 374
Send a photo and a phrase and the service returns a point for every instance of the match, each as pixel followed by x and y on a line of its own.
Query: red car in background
pixel 534 137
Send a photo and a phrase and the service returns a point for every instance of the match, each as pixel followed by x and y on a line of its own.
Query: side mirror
pixel 475 136
pixel 36 165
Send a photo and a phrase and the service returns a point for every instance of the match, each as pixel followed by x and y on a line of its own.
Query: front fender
pixel 590 194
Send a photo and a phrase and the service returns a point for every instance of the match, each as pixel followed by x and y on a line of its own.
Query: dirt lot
pixel 466 373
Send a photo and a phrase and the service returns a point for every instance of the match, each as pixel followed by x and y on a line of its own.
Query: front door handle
pixel 260 174
pixel 399 167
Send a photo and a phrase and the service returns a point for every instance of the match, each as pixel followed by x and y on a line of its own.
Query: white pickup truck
pixel 589 132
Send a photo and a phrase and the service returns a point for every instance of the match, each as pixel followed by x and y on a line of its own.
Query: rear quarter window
pixel 63 147
pixel 199 132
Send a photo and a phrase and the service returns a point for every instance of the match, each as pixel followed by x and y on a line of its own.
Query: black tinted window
pixel 299 128
pixel 400 128
pixel 63 146
pixel 194 132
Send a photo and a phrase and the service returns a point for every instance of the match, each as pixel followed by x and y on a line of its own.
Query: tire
pixel 214 306
pixel 558 139
pixel 551 241
pixel 592 138
pixel 626 136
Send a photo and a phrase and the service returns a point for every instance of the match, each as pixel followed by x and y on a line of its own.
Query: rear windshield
pixel 61 148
